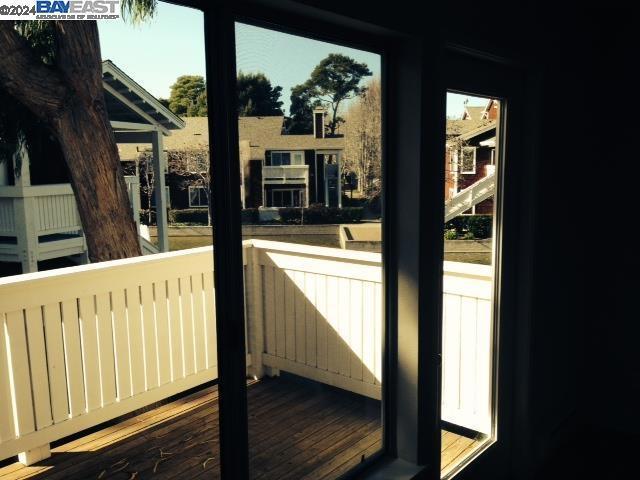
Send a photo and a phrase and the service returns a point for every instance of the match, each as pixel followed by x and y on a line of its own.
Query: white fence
pixel 317 312
pixel 98 341
pixel 82 345
pixel 467 328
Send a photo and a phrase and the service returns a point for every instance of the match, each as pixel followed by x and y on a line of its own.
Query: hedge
pixel 196 216
pixel 372 205
pixel 479 226
pixel 250 216
pixel 189 215
pixel 318 215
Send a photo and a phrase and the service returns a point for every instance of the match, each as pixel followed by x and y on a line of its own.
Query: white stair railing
pixel 470 196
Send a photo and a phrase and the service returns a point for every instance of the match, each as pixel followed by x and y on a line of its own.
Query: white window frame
pixel 190 189
pixel 462 170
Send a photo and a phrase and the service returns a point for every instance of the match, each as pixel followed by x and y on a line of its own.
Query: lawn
pixel 184 242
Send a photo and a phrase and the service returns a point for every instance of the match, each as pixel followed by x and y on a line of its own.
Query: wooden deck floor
pixel 297 429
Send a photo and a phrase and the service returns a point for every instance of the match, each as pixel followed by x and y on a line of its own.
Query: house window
pixel 468 165
pixel 287 158
pixel 198 197
pixel 286 198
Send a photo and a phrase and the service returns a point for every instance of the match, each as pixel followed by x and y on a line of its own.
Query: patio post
pixel 159 166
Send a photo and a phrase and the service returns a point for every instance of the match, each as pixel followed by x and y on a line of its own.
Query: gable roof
pixel 128 102
pixel 460 127
pixel 258 133
pixel 488 126
pixel 472 113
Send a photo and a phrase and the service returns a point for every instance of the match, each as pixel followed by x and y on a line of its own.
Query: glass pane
pixel 135 348
pixel 298 158
pixel 314 336
pixel 469 272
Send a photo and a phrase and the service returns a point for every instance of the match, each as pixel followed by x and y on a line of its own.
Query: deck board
pixel 297 429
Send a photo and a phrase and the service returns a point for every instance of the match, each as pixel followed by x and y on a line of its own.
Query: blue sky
pixel 288 60
pixel 172 44
pixel 455 103
pixel 158 51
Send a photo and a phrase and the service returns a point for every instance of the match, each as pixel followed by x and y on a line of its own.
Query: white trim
pixel 189 189
pixel 133 126
pixel 135 108
pixel 109 67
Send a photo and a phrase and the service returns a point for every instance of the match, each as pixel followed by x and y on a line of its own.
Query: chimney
pixel 318 122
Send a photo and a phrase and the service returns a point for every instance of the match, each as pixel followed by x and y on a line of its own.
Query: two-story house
pixel 470 152
pixel 277 169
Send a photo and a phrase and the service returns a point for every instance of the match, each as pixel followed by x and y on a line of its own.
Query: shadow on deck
pixel 297 429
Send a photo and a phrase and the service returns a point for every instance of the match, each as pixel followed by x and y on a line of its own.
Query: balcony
pixel 285 174
pixel 54 229
pixel 41 222
pixel 100 341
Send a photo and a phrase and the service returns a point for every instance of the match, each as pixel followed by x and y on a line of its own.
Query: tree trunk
pixel 70 100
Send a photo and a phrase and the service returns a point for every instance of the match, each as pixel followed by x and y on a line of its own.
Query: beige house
pixel 278 170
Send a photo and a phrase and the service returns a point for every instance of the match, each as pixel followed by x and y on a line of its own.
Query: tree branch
pixel 35 85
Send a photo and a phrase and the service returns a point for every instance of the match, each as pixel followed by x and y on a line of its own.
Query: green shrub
pixel 450 234
pixel 353 202
pixel 480 226
pixel 250 216
pixel 375 205
pixel 319 215
pixel 197 216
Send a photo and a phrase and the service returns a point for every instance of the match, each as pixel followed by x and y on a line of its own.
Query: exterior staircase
pixel 470 196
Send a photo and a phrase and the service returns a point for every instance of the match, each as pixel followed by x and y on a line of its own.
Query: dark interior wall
pixel 559 333
pixel 613 381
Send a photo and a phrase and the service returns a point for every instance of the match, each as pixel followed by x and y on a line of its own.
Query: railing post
pixel 255 314
pixel 34 455
pixel 24 211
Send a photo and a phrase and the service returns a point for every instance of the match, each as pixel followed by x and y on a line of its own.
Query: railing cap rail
pixel 13 191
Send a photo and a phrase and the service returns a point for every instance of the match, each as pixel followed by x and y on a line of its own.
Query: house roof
pixel 129 104
pixel 460 127
pixel 259 133
pixel 473 113
pixel 487 126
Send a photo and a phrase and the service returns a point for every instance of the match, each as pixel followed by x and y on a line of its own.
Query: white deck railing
pixel 30 213
pixel 82 345
pixel 293 174
pixel 52 208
